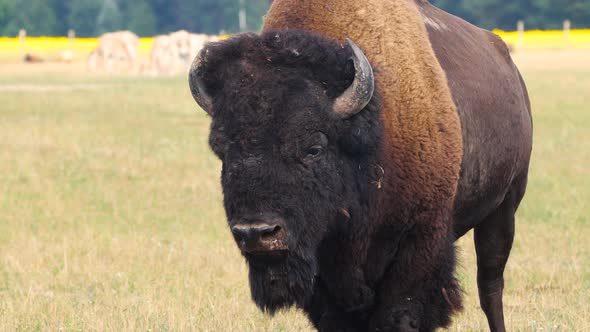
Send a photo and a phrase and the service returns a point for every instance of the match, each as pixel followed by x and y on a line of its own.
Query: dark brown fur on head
pixel 285 152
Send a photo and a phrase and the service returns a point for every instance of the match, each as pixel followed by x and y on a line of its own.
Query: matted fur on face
pixel 285 153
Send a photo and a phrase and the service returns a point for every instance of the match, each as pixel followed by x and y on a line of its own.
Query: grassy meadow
pixel 111 216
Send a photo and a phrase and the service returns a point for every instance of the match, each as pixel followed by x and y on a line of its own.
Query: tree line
pixel 503 14
pixel 144 17
pixel 151 17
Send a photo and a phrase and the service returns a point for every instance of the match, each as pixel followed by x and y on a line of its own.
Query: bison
pixel 32 58
pixel 173 53
pixel 117 51
pixel 349 171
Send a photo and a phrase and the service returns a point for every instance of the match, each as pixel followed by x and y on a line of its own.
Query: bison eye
pixel 314 151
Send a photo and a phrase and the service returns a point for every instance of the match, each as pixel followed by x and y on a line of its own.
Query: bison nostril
pixel 240 233
pixel 254 232
pixel 271 231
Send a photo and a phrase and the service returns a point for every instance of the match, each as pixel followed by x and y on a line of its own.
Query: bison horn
pixel 360 92
pixel 197 86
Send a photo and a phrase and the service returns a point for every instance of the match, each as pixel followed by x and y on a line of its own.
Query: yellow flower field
pixel 49 47
pixel 548 39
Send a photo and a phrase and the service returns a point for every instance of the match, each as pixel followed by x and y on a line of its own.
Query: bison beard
pixel 282 284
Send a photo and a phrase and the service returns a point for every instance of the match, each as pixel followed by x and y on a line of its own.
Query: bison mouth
pixel 264 258
pixel 280 279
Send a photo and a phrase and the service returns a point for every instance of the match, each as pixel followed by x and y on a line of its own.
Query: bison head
pixel 297 127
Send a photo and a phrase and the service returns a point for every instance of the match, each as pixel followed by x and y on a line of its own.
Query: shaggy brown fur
pixel 495 114
pixel 419 110
pixel 422 145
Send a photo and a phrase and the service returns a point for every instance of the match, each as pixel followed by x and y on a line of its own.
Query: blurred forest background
pixel 150 17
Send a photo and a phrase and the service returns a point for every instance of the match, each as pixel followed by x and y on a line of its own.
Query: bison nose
pixel 259 237
pixel 253 232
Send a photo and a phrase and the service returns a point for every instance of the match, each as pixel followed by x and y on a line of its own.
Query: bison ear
pixel 360 92
pixel 196 83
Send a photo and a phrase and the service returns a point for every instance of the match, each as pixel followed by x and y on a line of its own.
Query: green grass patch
pixel 111 216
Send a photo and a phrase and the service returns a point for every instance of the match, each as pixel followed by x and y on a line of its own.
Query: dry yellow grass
pixel 111 217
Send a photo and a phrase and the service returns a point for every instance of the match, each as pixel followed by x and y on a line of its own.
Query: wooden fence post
pixel 72 38
pixel 22 36
pixel 242 16
pixel 520 28
pixel 567 26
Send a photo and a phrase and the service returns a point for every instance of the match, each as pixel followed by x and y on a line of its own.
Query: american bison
pixel 349 171
pixel 116 51
pixel 173 53
pixel 32 58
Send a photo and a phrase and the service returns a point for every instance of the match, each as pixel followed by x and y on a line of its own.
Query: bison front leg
pixel 350 291
pixel 418 292
pixel 326 316
pixel 341 262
